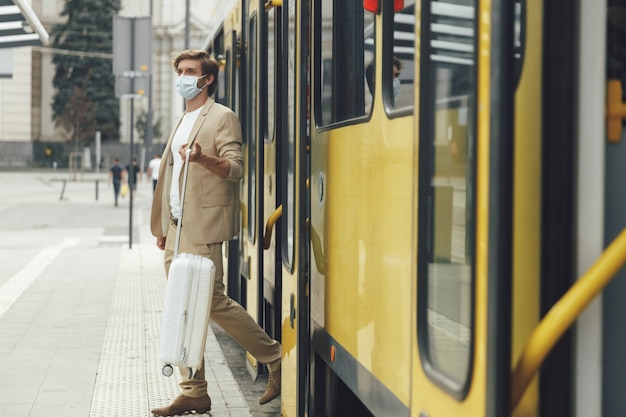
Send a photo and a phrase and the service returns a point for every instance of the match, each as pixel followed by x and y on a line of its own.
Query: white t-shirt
pixel 180 138
pixel 154 165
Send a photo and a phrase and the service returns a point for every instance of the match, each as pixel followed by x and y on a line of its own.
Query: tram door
pixel 461 351
pixel 254 198
pixel 231 76
pixel 291 152
pixel 263 281
pixel 270 243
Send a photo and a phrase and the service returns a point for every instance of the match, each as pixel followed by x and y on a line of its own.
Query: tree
pixel 77 122
pixel 89 28
pixel 142 126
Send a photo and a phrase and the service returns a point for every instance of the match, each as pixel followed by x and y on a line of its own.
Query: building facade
pixel 26 125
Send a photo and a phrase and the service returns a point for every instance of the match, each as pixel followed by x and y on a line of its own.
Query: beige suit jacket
pixel 210 210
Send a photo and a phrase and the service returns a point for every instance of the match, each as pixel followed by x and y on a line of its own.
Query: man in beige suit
pixel 213 134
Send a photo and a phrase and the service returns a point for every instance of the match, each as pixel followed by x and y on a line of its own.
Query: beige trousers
pixel 225 312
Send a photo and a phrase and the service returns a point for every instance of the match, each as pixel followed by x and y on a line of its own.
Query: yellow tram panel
pixel 527 200
pixel 368 246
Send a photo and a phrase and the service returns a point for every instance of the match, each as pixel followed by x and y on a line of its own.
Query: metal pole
pixel 63 189
pixel 149 129
pixel 131 169
pixel 187 24
pixel 132 128
pixel 186 38
pixel 98 151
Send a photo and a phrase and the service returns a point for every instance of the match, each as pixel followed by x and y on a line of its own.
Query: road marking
pixel 17 284
pixel 114 239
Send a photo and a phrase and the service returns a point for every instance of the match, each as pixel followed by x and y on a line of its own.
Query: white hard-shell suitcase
pixel 187 307
pixel 186 312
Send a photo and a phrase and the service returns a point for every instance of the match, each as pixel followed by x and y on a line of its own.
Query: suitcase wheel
pixel 167 370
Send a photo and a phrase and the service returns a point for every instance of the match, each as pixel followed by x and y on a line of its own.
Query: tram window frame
pixel 236 75
pixel 340 88
pixel 439 90
pixel 519 41
pixel 217 49
pixel 222 91
pixel 389 53
pixel 227 77
pixel 268 91
pixel 288 131
pixel 252 130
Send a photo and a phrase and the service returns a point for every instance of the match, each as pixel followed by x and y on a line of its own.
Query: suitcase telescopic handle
pixel 182 201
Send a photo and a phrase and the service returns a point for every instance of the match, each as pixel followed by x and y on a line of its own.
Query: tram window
pixel 288 186
pixel 369 66
pixel 252 126
pixel 519 39
pixel 345 45
pixel 221 81
pixel 270 94
pixel 399 81
pixel 327 91
pixel 227 80
pixel 447 183
pixel 218 55
pixel 236 75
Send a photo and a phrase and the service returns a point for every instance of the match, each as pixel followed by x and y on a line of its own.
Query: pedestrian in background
pixel 153 170
pixel 213 133
pixel 116 177
pixel 134 175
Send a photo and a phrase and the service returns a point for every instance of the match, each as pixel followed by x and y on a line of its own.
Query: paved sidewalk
pixel 80 310
pixel 129 384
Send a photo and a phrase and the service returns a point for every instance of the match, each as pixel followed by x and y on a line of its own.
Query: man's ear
pixel 209 79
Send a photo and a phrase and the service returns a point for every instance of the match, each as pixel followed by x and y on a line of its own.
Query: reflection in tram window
pixel 227 79
pixel 344 47
pixel 252 128
pixel 402 86
pixel 270 90
pixel 447 196
pixel 368 59
pixel 289 144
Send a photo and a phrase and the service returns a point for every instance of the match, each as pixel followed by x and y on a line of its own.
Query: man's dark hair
pixel 369 76
pixel 397 63
pixel 369 72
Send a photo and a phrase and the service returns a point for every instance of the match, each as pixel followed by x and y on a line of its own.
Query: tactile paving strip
pixel 129 381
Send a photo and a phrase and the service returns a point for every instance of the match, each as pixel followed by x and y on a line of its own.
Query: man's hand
pixel 196 152
pixel 160 242
pixel 219 166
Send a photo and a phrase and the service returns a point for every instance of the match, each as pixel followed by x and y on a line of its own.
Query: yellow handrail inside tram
pixel 564 313
pixel 267 238
pixel 273 3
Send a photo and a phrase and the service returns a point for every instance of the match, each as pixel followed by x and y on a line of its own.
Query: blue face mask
pixel 187 86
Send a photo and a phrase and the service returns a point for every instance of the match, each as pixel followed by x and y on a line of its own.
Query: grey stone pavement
pixel 80 308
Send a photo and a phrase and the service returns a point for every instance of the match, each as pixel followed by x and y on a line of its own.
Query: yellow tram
pixel 428 201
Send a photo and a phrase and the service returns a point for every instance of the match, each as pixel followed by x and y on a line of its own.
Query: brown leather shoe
pixel 273 387
pixel 185 405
